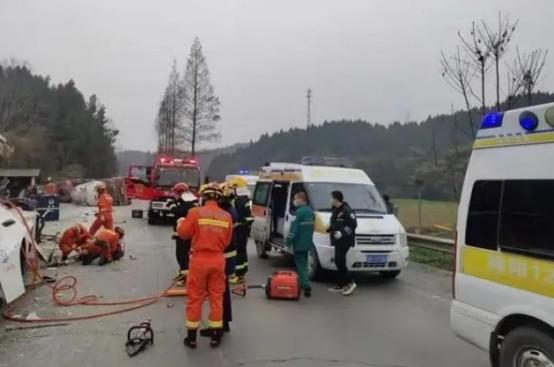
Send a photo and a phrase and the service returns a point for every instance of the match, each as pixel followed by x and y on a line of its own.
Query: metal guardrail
pixel 438 244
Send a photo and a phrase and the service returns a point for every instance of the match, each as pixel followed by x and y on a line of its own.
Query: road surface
pixel 395 323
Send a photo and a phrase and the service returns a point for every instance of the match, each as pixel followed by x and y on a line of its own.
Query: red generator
pixel 283 285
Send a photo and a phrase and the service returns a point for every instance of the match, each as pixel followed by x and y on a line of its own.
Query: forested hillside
pixel 433 151
pixel 53 127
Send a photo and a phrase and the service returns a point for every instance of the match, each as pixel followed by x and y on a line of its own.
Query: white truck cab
pixel 381 244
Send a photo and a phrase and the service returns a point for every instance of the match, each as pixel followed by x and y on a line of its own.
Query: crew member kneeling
pixel 106 245
pixel 211 230
pixel 72 239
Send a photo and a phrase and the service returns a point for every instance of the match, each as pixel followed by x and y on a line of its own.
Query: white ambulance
pixel 381 244
pixel 504 277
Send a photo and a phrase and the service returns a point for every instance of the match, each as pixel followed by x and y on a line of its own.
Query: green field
pixel 432 213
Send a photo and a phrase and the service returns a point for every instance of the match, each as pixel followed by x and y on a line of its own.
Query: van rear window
pixel 513 215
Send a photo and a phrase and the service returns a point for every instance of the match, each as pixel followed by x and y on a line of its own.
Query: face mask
pixel 296 203
pixel 332 202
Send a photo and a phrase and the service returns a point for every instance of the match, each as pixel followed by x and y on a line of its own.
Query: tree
pixel 170 114
pixel 479 54
pixel 497 42
pixel 456 71
pixel 528 70
pixel 201 106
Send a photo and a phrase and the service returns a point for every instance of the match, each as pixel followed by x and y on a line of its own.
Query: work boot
pixel 207 332
pixel 217 334
pixel 103 261
pixel 308 292
pixel 86 259
pixel 190 340
pixel 226 327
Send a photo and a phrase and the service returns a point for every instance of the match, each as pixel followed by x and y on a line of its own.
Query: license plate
pixel 376 259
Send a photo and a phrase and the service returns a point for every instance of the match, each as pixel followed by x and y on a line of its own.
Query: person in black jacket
pixel 342 230
pixel 180 208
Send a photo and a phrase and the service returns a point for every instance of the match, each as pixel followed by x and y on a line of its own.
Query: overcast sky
pixel 372 59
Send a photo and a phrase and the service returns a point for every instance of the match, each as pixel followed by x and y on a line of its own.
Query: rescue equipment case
pixel 283 285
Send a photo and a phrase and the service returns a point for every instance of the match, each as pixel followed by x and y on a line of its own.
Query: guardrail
pixel 438 244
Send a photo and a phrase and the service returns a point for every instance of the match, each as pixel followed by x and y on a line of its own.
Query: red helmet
pixel 180 187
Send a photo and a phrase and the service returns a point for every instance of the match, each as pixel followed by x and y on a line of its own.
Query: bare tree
pixel 479 55
pixel 170 114
pixel 457 72
pixel 513 85
pixel 201 106
pixel 528 69
pixel 496 41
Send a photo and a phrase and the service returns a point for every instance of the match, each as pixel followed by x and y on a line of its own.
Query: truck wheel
pixel 389 274
pixel 151 218
pixel 527 346
pixel 261 250
pixel 314 267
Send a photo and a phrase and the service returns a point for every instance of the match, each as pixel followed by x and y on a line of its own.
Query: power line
pixel 309 97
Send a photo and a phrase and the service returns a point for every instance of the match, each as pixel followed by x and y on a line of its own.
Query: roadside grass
pixel 433 213
pixel 431 258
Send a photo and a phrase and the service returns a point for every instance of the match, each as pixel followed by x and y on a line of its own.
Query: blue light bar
pixel 493 119
pixel 528 120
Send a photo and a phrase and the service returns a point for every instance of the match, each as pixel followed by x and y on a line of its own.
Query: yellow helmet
pixel 237 182
pixel 211 190
pixel 227 191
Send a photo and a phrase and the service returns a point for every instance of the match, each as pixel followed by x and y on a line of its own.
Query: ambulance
pixel 381 244
pixel 503 298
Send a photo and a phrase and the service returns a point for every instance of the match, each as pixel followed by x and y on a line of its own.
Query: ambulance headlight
pixel 403 239
pixel 528 120
pixel 491 120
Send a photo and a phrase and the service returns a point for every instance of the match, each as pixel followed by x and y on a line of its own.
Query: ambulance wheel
pixel 314 267
pixel 527 346
pixel 261 250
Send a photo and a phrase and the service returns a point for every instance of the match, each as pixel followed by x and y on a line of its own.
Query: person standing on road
pixel 104 216
pixel 343 236
pixel 211 231
pixel 184 201
pixel 226 203
pixel 301 239
pixel 242 229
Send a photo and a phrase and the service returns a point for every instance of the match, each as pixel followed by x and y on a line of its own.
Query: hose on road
pixel 68 285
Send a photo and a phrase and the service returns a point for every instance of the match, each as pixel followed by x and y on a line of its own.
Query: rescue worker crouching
pixel 242 205
pixel 104 216
pixel 106 245
pixel 184 201
pixel 72 239
pixel 211 231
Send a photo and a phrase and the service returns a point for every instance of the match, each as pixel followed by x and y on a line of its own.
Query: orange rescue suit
pixel 104 216
pixel 72 238
pixel 211 230
pixel 105 244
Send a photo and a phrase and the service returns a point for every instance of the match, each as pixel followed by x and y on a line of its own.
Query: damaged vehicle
pixel 16 240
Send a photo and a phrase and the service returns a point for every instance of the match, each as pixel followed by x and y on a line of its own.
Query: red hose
pixel 69 284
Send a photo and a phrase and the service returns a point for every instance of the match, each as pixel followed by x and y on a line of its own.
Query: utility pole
pixel 309 97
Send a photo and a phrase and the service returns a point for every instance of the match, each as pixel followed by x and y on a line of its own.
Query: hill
pixel 128 157
pixel 434 151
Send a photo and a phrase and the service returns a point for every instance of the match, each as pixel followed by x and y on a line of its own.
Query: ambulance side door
pixel 261 211
pixel 290 214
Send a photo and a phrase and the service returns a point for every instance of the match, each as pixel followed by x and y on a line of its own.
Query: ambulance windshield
pixel 363 198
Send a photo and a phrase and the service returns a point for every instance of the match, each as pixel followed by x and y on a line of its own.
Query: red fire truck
pixel 154 183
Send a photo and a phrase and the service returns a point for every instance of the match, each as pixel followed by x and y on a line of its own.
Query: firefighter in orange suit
pixel 211 229
pixel 72 238
pixel 104 215
pixel 106 245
